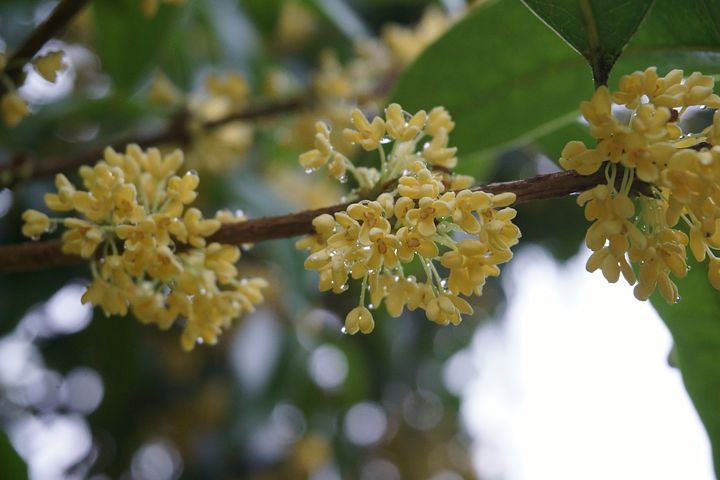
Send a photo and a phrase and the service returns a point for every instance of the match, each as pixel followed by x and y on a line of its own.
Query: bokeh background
pixel 556 375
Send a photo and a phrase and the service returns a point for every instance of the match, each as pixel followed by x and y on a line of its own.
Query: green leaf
pixel 694 323
pixel 11 465
pixel 128 42
pixel 507 79
pixel 597 29
pixel 501 74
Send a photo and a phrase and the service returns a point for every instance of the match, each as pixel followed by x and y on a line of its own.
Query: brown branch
pixel 38 255
pixel 23 167
pixel 51 27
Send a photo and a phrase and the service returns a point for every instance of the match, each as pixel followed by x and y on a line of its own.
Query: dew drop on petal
pixel 342 178
pixel 344 331
pixel 385 140
pixel 199 340
pixel 309 170
pixel 344 287
pixel 371 306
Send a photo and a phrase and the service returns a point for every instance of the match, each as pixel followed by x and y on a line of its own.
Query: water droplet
pixel 192 173
pixel 411 279
pixel 342 178
pixel 343 199
pixel 344 331
pixel 704 107
pixel 309 170
pixel 678 298
pixel 385 140
pixel 203 291
pixel 396 278
pixel 371 306
pixel 344 287
pixel 426 145
pixel 443 283
pixel 199 340
pixel 405 172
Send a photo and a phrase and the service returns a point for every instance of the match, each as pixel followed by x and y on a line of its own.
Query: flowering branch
pixel 24 168
pixel 38 255
pixel 52 26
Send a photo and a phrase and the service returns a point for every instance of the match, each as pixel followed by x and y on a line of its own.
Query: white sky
pixel 574 384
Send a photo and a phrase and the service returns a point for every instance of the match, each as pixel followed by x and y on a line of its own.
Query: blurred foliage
pixel 255 405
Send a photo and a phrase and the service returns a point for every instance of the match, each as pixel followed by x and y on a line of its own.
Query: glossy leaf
pixel 597 29
pixel 695 326
pixel 127 41
pixel 502 74
pixel 508 90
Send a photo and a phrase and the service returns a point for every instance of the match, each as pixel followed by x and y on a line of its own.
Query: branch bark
pixel 38 255
pixel 24 168
pixel 51 27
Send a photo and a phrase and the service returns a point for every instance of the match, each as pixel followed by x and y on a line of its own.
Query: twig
pixel 38 255
pixel 52 26
pixel 24 168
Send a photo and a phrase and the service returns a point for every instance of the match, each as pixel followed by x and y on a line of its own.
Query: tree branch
pixel 38 255
pixel 24 168
pixel 51 27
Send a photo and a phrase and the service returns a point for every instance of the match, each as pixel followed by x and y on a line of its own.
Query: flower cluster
pixel 215 149
pixel 12 106
pixel 680 175
pixel 148 250
pixel 375 241
pixel 363 81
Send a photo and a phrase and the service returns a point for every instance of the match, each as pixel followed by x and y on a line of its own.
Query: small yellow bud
pixel 49 65
pixel 13 108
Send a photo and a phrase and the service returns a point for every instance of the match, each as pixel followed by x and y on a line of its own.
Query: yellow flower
pixel 221 260
pixel 13 108
pixel 438 153
pixel 81 238
pixel 163 92
pixel 467 202
pixel 438 119
pixel 371 215
pixel 108 297
pixel 367 134
pixel 63 200
pixel 36 223
pixel 359 319
pixel 199 228
pixel 412 242
pixel 319 156
pixel 49 65
pixel 422 184
pixel 447 308
pixel 400 128
pixel 598 114
pixel 576 156
pixel 423 218
pixel 182 189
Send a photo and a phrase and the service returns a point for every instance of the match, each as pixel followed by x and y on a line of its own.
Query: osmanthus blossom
pixel 380 241
pixel 148 250
pixel 681 176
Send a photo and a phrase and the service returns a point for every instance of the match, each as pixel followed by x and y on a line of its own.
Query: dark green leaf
pixel 502 74
pixel 597 29
pixel 503 88
pixel 695 326
pixel 127 41
pixel 11 465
